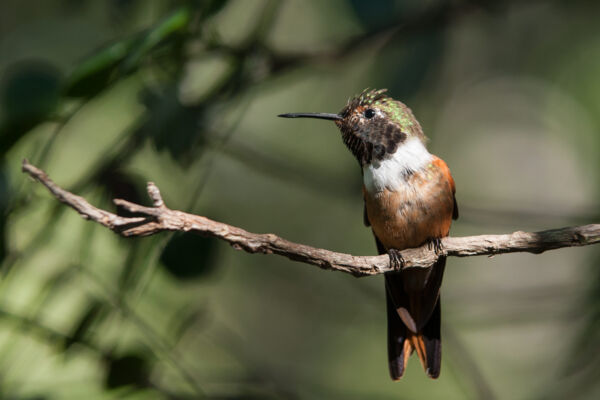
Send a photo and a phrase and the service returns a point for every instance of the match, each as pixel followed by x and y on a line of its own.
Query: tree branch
pixel 160 218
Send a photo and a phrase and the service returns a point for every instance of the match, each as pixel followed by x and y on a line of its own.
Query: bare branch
pixel 160 218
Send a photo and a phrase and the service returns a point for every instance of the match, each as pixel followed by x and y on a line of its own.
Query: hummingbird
pixel 409 201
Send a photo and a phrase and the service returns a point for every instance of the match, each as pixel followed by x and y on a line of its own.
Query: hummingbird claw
pixel 396 259
pixel 435 244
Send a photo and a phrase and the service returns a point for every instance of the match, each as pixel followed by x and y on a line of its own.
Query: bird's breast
pixel 410 213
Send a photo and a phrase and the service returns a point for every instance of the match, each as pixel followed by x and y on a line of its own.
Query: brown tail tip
pixel 429 353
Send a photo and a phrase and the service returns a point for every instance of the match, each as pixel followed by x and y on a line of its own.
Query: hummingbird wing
pixel 455 208
pixel 397 341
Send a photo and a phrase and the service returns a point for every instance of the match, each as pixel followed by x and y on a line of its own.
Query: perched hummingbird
pixel 409 201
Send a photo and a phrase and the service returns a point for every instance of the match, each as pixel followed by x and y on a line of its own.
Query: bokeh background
pixel 106 95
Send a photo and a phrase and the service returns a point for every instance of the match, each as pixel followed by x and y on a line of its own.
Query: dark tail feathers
pixel 402 342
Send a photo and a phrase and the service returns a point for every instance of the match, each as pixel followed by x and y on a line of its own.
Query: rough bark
pixel 160 218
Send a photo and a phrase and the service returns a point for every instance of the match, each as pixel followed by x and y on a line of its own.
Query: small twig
pixel 160 218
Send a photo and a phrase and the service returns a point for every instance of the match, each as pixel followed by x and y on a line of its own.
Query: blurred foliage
pixel 188 256
pixel 22 111
pixel 107 95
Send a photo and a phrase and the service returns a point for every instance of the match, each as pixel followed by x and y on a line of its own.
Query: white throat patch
pixel 411 156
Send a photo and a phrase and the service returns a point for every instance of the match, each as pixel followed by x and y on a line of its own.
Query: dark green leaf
pixel 30 93
pixel 129 370
pixel 212 7
pixel 122 185
pixel 173 126
pixel 96 72
pixel 189 256
pixel 175 23
pixel 31 90
pixel 373 14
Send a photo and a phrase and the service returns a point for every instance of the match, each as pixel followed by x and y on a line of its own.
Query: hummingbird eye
pixel 369 113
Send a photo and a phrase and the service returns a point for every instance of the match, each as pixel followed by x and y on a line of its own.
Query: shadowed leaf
pixel 100 69
pixel 373 14
pixel 189 256
pixel 175 23
pixel 97 71
pixel 173 126
pixel 212 7
pixel 30 93
pixel 122 185
pixel 129 370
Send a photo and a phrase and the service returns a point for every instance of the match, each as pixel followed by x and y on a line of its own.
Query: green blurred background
pixel 106 95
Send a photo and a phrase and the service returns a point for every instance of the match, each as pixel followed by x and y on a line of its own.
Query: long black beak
pixel 331 117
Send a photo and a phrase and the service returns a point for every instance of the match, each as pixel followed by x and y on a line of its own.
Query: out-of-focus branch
pixel 435 17
pixel 160 218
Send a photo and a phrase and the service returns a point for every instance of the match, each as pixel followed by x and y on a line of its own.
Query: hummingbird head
pixel 373 125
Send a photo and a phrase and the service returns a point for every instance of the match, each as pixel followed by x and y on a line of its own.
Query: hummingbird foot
pixel 396 259
pixel 435 244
